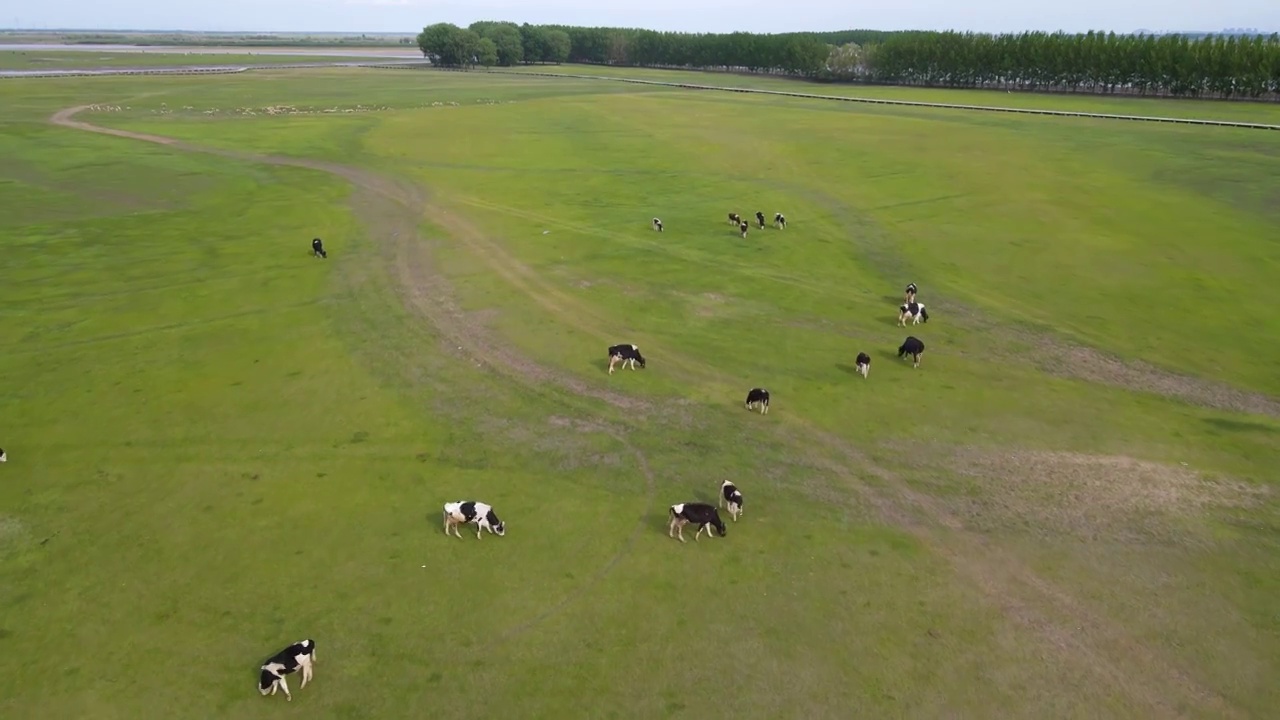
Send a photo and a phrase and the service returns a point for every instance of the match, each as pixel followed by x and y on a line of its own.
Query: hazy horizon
pixel 409 16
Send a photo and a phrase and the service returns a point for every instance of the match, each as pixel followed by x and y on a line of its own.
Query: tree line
pixel 1172 65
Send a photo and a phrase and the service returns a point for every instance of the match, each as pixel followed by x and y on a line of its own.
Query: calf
pixel 758 397
pixel 913 347
pixel 3 457
pixel 317 249
pixel 732 496
pixel 911 293
pixel 657 224
pixel 286 662
pixel 469 511
pixel 760 219
pixel 625 354
pixel 700 514
pixel 863 364
pixel 780 221
pixel 913 310
pixel 735 219
pixel 743 227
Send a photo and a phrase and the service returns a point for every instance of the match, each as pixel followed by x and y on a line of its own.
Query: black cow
pixel 758 397
pixel 286 662
pixel 735 219
pixel 625 354
pixel 700 514
pixel 743 227
pixel 732 496
pixel 863 364
pixel 780 221
pixel 760 219
pixel 317 249
pixel 657 224
pixel 912 346
pixel 911 293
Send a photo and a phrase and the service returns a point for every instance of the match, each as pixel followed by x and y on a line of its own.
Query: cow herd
pixel 301 655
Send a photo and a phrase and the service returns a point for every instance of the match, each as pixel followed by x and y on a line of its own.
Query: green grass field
pixel 219 445
pixel 81 59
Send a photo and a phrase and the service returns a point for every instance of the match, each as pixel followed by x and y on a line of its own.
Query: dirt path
pixel 1070 634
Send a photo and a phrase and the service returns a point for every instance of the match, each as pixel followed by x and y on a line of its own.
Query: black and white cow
pixel 470 511
pixel 3 457
pixel 743 227
pixel 731 496
pixel 780 221
pixel 912 346
pixel 913 310
pixel 911 293
pixel 300 655
pixel 317 249
pixel 760 219
pixel 863 365
pixel 700 514
pixel 657 224
pixel 758 397
pixel 625 354
pixel 735 219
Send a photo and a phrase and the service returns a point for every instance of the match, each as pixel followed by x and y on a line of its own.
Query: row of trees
pixel 1221 66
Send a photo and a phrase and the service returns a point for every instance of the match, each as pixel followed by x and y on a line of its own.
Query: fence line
pixel 205 70
pixel 912 103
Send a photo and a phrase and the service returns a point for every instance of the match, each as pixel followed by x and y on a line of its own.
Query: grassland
pixel 217 441
pixel 79 59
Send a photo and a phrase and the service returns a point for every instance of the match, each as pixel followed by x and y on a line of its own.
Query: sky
pixel 681 15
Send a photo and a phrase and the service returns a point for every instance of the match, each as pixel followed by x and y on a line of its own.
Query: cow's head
pixel 924 315
pixel 500 528
pixel 721 529
pixel 267 680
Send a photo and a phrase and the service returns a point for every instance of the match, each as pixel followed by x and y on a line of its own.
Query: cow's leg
pixel 612 359
pixel 285 687
pixel 306 673
pixel 766 409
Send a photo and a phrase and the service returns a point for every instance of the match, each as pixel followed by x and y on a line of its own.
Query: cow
pixel 625 354
pixel 760 219
pixel 863 364
pixel 301 654
pixel 743 227
pixel 911 346
pixel 657 224
pixel 911 293
pixel 735 219
pixel 3 457
pixel 731 496
pixel 780 221
pixel 913 310
pixel 700 514
pixel 758 397
pixel 470 511
pixel 317 249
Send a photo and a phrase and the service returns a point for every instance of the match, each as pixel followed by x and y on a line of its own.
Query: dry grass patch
pixel 1093 497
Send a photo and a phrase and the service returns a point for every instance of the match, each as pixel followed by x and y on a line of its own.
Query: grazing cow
pixel 3 457
pixel 758 397
pixel 863 364
pixel 732 496
pixel 912 346
pixel 911 293
pixel 657 224
pixel 760 219
pixel 913 310
pixel 286 662
pixel 780 221
pixel 735 219
pixel 625 354
pixel 743 227
pixel 700 514
pixel 317 249
pixel 470 511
